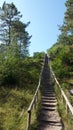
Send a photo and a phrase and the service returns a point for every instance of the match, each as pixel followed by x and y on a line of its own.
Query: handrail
pixel 68 105
pixel 33 102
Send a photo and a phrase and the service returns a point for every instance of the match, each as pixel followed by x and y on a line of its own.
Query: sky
pixel 45 16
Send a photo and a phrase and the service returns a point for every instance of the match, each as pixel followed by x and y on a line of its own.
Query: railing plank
pixel 33 102
pixel 62 92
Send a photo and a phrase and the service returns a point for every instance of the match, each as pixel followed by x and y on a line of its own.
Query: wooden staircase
pixel 49 116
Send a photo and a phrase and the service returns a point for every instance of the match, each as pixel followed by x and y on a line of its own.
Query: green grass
pixel 35 114
pixel 66 87
pixel 13 109
pixel 12 103
pixel 67 118
pixel 70 81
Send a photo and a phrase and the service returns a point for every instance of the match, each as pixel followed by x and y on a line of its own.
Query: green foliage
pixel 19 74
pixel 67 119
pixel 38 56
pixel 12 30
pixel 67 27
pixel 16 97
pixel 62 62
pixel 62 55
pixel 9 13
pixel 14 46
pixel 12 102
pixel 36 114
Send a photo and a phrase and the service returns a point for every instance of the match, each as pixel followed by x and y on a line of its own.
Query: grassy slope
pixel 14 102
pixel 67 119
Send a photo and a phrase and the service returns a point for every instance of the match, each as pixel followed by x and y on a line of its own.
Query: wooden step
pixel 49 117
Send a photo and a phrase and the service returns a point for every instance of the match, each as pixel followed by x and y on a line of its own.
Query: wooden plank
pixel 62 92
pixel 33 102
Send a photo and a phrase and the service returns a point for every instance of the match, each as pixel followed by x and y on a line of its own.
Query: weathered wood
pixel 28 120
pixel 33 104
pixel 68 105
pixel 67 102
pixel 21 114
pixel 35 99
pixel 49 118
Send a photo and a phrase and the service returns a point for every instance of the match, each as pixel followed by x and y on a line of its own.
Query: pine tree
pixel 12 29
pixel 14 41
pixel 18 32
pixel 67 26
pixel 8 14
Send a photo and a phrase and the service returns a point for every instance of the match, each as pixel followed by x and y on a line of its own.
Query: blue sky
pixel 45 16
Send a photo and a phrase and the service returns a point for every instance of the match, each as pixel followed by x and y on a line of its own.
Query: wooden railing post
pixel 67 108
pixel 63 100
pixel 64 97
pixel 34 100
pixel 28 120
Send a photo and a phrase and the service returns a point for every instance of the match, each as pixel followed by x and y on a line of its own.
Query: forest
pixel 19 72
